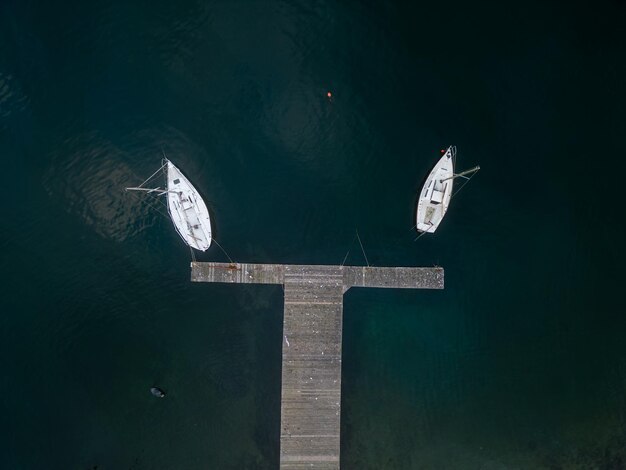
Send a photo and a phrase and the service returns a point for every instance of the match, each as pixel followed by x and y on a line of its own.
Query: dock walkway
pixel 311 358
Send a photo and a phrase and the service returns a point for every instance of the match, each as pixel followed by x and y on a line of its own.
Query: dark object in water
pixel 157 392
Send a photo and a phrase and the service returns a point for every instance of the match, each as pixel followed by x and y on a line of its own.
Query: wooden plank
pixel 311 374
pixel 241 273
pixel 393 278
pixel 351 276
pixel 312 328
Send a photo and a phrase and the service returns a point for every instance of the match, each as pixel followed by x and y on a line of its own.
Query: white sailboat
pixel 186 207
pixel 436 193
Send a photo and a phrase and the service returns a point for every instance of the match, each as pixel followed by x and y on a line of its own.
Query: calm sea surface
pixel 519 364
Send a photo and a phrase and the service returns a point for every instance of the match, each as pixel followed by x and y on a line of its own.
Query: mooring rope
pixel 229 258
pixel 420 236
pixel 362 249
pixel 348 252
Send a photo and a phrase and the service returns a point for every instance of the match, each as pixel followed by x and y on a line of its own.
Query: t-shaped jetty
pixel 311 368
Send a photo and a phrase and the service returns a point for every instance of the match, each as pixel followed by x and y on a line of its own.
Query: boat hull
pixel 434 198
pixel 187 210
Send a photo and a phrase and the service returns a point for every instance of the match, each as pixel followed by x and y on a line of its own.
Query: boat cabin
pixel 435 191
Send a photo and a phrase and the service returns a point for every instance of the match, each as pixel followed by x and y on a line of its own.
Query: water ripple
pixel 89 173
pixel 12 99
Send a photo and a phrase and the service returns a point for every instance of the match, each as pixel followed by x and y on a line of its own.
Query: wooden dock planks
pixel 240 273
pixel 394 278
pixel 311 374
pixel 311 357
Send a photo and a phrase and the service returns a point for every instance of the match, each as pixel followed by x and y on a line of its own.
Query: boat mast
pixel 463 173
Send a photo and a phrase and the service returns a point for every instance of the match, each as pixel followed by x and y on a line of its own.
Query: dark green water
pixel 519 364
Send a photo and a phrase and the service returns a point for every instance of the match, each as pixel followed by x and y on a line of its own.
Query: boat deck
pixel 311 357
pixel 187 210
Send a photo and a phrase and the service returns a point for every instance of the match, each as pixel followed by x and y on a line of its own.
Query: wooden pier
pixel 311 363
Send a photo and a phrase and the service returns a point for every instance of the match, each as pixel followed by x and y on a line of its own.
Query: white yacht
pixel 187 210
pixel 436 193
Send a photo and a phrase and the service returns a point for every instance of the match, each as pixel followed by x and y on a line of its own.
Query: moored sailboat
pixel 186 207
pixel 435 196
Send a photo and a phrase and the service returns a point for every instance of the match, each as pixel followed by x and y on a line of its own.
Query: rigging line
pixel 463 185
pixel 152 175
pixel 134 174
pixel 162 173
pixel 193 255
pixel 150 205
pixel 160 201
pixel 363 249
pixel 150 202
pixel 154 207
pixel 349 248
pixel 156 201
pixel 229 258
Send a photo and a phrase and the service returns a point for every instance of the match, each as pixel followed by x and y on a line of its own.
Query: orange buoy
pixel 329 94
